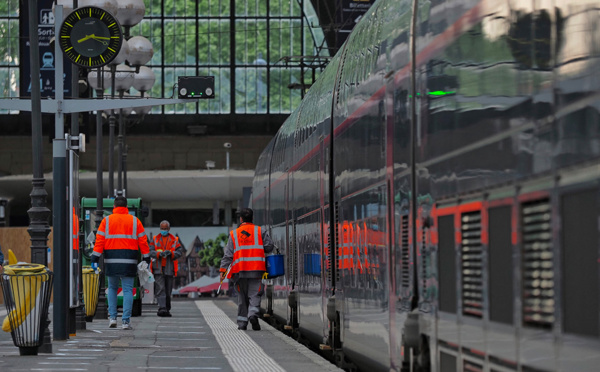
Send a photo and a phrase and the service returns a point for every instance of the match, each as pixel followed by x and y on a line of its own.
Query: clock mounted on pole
pixel 90 37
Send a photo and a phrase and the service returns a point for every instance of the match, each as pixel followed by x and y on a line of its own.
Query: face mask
pixel 164 232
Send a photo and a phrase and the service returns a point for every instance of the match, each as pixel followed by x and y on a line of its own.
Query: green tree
pixel 213 251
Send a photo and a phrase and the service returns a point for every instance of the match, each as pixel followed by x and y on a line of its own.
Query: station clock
pixel 90 37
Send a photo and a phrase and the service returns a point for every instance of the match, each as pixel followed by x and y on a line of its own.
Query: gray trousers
pixel 249 290
pixel 163 287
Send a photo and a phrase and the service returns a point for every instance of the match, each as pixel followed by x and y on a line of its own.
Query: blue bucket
pixel 275 265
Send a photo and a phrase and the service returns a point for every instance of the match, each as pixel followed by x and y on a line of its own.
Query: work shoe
pixel 243 328
pixel 255 324
pixel 112 323
pixel 168 314
pixel 162 313
pixel 126 326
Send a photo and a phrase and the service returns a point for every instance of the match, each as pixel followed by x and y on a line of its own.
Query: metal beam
pixel 84 105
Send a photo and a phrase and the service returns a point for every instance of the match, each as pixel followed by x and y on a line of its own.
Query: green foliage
pixel 213 251
pixel 9 8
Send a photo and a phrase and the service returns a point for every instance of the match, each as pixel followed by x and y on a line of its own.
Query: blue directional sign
pixel 45 34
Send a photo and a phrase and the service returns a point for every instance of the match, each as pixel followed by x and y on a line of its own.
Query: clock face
pixel 90 37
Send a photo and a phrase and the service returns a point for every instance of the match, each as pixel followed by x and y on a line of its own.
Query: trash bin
pixel 27 289
pixel 91 289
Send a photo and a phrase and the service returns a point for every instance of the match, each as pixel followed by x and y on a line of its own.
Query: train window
pixel 580 263
pixel 537 264
pixel 471 264
pixel 447 362
pixel 500 265
pixel 447 264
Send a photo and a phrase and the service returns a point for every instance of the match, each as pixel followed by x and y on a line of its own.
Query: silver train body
pixel 436 195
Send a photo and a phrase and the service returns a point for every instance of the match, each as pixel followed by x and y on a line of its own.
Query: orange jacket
pixel 165 265
pixel 249 253
pixel 120 236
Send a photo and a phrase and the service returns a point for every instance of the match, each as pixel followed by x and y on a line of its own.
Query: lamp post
pixel 228 146
pixel 124 77
pixel 98 80
pixel 79 314
pixel 38 213
pixel 140 53
pixel 130 13
pixel 121 57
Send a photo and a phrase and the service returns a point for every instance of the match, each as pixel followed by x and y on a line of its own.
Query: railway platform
pixel 201 336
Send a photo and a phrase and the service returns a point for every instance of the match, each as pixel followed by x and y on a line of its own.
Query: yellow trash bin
pixel 91 289
pixel 27 289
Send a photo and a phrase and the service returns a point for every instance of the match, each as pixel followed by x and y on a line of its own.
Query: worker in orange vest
pixel 121 238
pixel 245 253
pixel 164 250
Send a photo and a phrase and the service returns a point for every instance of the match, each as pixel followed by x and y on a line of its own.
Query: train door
pixel 292 254
pixel 322 237
pixel 409 225
pixel 327 251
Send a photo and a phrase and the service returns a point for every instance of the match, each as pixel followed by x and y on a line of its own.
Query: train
pixel 435 196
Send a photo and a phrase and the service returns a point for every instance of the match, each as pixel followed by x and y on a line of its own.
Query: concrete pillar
pixel 215 213
pixel 228 206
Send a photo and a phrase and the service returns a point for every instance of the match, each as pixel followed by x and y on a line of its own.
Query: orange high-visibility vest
pixel 119 237
pixel 121 231
pixel 170 245
pixel 248 250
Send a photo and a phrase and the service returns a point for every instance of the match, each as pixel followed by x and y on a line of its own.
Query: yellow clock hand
pixel 100 40
pixel 85 38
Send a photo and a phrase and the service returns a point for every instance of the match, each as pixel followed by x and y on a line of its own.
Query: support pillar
pixel 38 213
pixel 101 310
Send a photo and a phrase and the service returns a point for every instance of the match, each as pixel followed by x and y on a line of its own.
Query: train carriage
pixel 436 194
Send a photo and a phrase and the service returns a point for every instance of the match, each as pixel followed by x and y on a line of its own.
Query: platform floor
pixel 201 335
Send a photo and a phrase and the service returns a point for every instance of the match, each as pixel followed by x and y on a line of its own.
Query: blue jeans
pixel 113 286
